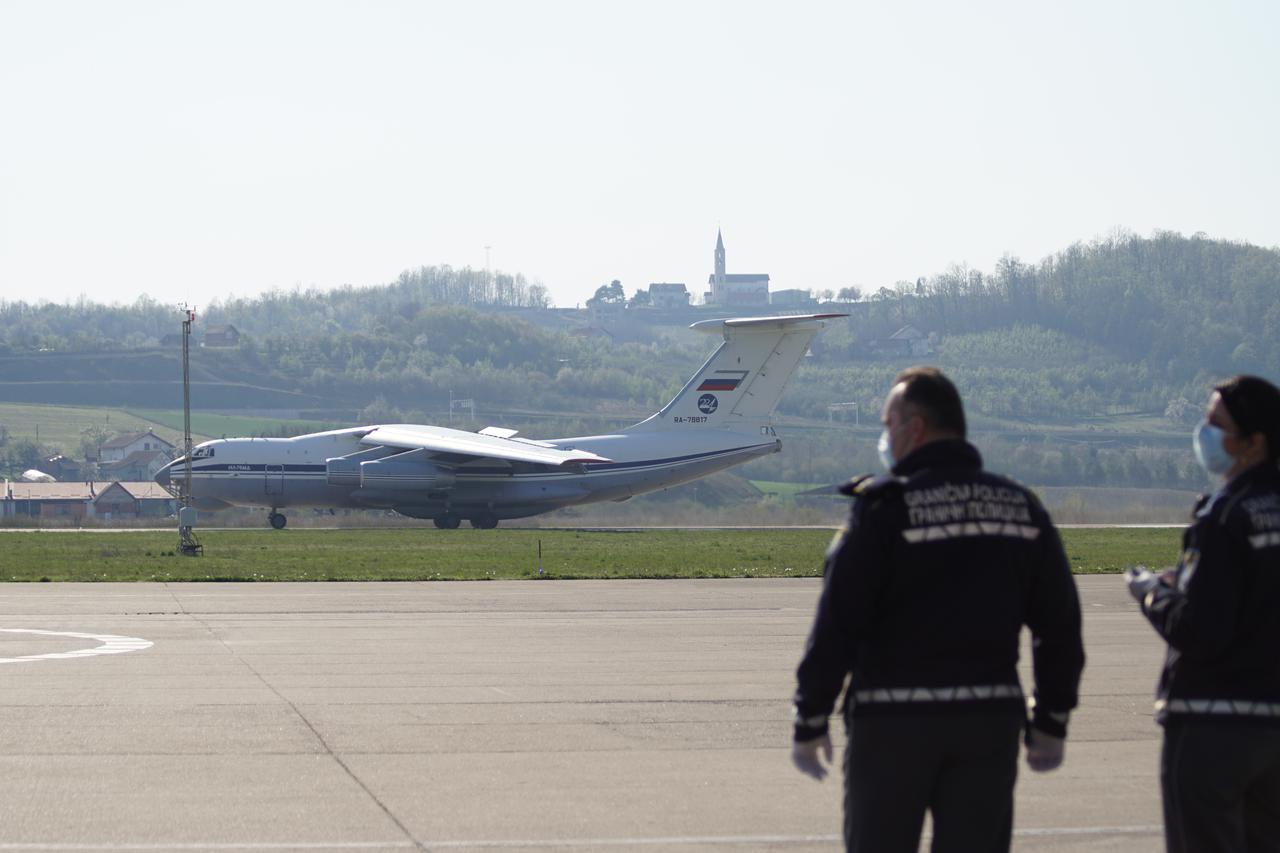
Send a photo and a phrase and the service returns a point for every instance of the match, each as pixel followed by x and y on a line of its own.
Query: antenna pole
pixel 188 545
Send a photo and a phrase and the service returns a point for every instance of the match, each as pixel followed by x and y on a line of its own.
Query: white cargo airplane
pixel 722 417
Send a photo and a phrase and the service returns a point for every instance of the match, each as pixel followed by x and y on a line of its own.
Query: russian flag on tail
pixel 723 380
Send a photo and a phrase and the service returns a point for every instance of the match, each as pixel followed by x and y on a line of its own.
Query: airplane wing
pixel 480 445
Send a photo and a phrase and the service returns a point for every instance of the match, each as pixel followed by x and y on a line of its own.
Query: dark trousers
pixel 1221 786
pixel 959 767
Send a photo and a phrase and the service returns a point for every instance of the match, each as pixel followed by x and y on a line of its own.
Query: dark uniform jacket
pixel 1220 616
pixel 925 593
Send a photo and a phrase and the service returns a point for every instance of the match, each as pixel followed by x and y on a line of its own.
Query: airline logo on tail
pixel 738 387
pixel 723 380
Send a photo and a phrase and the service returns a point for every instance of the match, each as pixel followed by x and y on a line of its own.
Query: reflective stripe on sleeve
pixel 1264 540
pixel 1225 707
pixel 961 530
pixel 967 693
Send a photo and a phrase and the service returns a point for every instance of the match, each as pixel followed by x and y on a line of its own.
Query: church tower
pixel 736 289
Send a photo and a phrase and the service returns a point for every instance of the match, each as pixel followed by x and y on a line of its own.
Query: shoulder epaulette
pixel 868 485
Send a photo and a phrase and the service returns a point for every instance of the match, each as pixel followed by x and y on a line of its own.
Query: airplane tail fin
pixel 739 386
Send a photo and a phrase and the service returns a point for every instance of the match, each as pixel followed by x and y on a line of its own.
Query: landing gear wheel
pixel 278 521
pixel 484 521
pixel 448 521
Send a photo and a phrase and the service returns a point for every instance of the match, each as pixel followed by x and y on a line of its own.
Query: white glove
pixel 1044 751
pixel 1140 581
pixel 805 756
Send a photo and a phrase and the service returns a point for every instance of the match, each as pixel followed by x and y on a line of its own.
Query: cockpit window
pixel 202 453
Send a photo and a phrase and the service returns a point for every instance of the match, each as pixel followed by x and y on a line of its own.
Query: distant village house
pixel 792 299
pixel 668 295
pixel 906 341
pixel 62 468
pixel 120 447
pixel 222 336
pixel 76 502
pixel 139 465
pixel 133 500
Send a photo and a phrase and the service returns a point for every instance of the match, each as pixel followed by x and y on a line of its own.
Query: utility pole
pixel 188 545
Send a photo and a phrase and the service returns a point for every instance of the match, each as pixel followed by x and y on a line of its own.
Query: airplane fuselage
pixel 720 418
pixel 290 472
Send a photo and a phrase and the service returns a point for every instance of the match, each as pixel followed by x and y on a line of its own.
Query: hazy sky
pixel 196 150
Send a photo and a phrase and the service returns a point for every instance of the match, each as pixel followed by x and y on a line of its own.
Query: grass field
pixel 784 490
pixel 63 426
pixel 429 554
pixel 230 426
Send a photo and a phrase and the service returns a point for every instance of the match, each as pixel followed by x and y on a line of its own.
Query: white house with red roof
pixel 120 447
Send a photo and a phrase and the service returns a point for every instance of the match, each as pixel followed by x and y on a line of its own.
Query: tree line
pixel 84 325
pixel 1182 306
pixel 1122 326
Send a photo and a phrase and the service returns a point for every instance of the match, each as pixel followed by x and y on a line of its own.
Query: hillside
pixel 1088 367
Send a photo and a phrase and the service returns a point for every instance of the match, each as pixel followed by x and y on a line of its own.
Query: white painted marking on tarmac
pixel 201 845
pixel 693 840
pixel 535 844
pixel 112 644
pixel 675 840
pixel 1032 832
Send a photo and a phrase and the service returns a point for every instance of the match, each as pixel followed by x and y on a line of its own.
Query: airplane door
pixel 275 479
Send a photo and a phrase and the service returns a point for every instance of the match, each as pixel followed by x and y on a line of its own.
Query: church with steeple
pixel 735 288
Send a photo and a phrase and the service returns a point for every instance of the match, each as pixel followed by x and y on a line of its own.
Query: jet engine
pixel 408 471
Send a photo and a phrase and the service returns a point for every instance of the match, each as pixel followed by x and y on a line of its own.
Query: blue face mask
pixel 1212 456
pixel 885 451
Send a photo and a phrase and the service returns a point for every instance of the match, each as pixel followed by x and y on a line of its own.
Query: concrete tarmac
pixel 571 715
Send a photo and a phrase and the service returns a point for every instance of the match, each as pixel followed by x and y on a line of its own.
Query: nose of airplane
pixel 162 476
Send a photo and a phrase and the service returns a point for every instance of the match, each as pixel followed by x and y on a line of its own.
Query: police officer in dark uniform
pixel 1219 694
pixel 925 593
